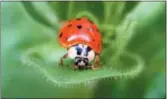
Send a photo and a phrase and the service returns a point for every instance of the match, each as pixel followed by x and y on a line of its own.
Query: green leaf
pixel 45 58
pixel 157 88
pixel 67 10
pixel 19 81
pixel 131 29
pixel 60 9
pixel 149 35
pixel 42 13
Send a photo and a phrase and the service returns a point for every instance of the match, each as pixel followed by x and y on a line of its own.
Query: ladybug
pixel 83 42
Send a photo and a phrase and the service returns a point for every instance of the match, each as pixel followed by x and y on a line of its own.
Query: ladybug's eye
pixel 79 26
pixel 69 25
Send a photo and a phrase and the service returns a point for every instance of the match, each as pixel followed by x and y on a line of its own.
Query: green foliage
pixel 133 47
pixel 45 58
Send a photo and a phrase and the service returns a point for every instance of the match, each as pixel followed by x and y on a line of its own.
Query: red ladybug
pixel 83 42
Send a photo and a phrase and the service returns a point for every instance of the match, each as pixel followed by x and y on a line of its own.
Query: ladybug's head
pixel 82 54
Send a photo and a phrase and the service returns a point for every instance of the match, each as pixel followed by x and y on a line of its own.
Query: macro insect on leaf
pixel 83 42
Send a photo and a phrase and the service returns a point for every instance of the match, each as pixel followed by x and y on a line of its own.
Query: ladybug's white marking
pixel 90 29
pixel 91 55
pixel 71 38
pixel 79 36
pixel 72 53
pixel 81 63
pixel 83 48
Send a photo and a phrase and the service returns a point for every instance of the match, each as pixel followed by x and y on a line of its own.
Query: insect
pixel 83 42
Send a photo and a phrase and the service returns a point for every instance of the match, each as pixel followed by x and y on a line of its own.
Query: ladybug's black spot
pixel 79 26
pixel 69 25
pixel 79 50
pixel 61 34
pixel 88 49
pixel 98 45
pixel 78 19
pixel 66 38
pixel 97 30
pixel 90 21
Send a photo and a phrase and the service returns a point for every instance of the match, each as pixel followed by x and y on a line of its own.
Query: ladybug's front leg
pixel 61 59
pixel 75 67
pixel 96 64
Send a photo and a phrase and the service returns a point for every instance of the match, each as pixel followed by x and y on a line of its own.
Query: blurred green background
pixel 30 51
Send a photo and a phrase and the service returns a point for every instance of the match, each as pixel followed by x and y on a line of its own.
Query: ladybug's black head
pixel 82 55
pixel 80 61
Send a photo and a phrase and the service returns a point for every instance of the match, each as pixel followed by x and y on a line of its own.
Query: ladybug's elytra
pixel 83 42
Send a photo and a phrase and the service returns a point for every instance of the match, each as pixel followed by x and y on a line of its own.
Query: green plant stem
pixel 42 13
pixel 107 11
pixel 124 34
pixel 70 9
pixel 119 10
pixel 89 15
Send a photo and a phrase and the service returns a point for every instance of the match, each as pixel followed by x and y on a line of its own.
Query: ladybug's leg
pixel 61 60
pixel 74 67
pixel 97 61
pixel 96 64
